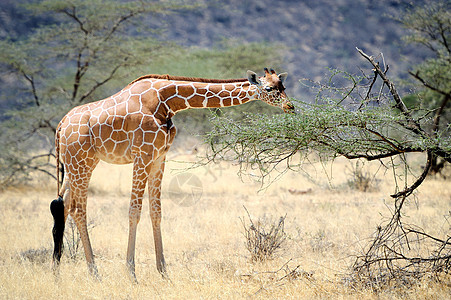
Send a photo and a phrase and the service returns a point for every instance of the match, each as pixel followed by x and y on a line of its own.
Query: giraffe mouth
pixel 289 108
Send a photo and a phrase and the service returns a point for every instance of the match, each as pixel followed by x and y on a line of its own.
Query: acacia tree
pixel 365 118
pixel 77 55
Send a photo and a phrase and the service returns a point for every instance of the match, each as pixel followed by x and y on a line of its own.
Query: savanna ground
pixel 203 237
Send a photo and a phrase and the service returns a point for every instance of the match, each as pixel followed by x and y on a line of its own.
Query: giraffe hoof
pixel 163 272
pixel 131 272
pixel 133 279
pixel 132 276
pixel 94 273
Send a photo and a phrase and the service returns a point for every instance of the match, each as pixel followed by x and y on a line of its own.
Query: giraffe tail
pixel 57 209
pixel 57 156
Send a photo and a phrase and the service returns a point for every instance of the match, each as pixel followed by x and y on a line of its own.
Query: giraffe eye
pixel 268 88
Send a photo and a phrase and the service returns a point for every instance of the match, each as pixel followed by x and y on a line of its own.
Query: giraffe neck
pixel 181 95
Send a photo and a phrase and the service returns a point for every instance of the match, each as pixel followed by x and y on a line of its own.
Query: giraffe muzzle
pixel 289 108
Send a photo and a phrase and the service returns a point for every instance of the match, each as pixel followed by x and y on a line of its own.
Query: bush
pixel 361 179
pixel 264 237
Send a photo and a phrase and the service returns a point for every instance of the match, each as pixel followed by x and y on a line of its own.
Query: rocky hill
pixel 313 35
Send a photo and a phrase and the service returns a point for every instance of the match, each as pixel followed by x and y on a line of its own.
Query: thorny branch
pixel 413 124
pixel 409 190
pixel 401 254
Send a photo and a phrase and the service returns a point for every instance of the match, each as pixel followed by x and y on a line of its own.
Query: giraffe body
pixel 134 126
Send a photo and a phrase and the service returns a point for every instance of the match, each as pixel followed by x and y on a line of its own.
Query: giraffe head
pixel 270 89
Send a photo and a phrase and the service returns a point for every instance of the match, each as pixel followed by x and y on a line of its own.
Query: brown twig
pixel 406 192
pixel 413 124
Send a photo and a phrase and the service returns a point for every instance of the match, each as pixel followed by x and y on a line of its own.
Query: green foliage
pixel 326 129
pixel 340 123
pixel 429 25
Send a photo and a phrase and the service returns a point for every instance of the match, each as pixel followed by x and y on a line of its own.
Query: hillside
pixel 313 35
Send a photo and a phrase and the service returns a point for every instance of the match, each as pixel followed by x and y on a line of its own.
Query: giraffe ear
pixel 283 76
pixel 253 78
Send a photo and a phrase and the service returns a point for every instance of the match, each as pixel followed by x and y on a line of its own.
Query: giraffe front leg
pixel 155 212
pixel 134 217
pixel 140 174
pixel 156 220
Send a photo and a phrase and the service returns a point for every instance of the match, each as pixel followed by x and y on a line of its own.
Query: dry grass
pixel 204 243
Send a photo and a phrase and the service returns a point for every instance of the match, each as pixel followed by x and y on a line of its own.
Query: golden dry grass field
pixel 203 238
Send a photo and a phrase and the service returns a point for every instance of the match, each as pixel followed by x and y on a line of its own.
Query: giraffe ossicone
pixel 134 126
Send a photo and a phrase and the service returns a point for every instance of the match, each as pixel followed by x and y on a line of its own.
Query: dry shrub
pixel 319 241
pixel 401 254
pixel 73 238
pixel 361 179
pixel 263 237
pixel 38 256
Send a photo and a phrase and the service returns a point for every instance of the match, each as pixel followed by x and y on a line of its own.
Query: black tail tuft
pixel 57 210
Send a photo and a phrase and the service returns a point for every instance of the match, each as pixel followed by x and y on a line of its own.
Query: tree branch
pixel 81 69
pixel 99 84
pixel 409 190
pixel 429 236
pixel 370 157
pixel 438 114
pixel 384 139
pixel 30 79
pixel 414 125
pixel 367 97
pixel 81 66
pixel 417 76
pixel 119 22
pixel 443 37
pixel 74 16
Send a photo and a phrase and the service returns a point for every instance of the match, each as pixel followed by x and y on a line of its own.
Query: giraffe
pixel 134 126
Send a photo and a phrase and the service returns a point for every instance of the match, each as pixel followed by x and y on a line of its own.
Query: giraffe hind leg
pixel 77 210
